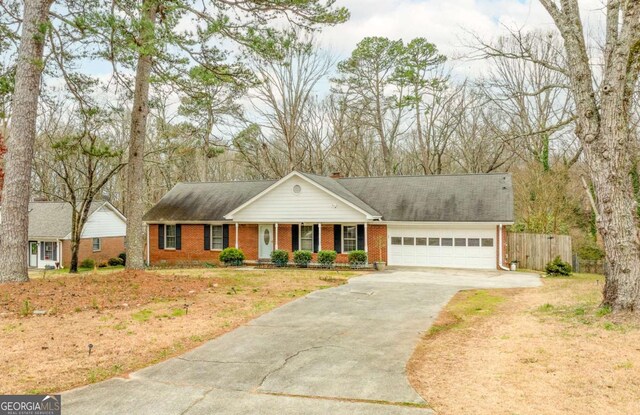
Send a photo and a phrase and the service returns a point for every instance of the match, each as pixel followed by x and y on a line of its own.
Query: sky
pixel 447 23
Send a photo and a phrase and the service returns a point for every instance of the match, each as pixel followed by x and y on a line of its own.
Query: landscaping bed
pixel 131 319
pixel 547 350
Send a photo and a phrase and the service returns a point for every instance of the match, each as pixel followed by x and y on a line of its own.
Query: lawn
pixel 132 319
pixel 548 350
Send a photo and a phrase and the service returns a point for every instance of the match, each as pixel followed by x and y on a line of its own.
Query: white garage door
pixel 471 247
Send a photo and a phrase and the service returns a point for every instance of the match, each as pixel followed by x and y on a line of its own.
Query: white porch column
pixel 276 242
pixel 237 227
pixel 148 247
pixel 319 237
pixel 366 244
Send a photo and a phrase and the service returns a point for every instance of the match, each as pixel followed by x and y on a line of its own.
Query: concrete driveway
pixel 342 351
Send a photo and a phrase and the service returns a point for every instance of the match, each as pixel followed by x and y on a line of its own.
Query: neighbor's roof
pixel 436 198
pixel 52 219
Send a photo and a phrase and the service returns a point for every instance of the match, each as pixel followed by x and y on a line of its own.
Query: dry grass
pixel 132 319
pixel 547 350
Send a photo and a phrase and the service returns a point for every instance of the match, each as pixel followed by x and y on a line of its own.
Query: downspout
pixel 500 253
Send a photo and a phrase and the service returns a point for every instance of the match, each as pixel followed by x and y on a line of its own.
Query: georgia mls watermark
pixel 30 405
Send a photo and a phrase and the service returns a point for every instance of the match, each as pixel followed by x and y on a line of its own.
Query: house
pixel 50 234
pixel 439 221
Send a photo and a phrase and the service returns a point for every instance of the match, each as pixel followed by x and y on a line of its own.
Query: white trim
pixel 287 177
pixel 500 257
pixel 93 249
pixel 175 236
pixel 366 245
pixel 344 251
pixel 275 243
pixel 211 248
pixel 148 248
pixel 300 225
pixel 237 227
pixel 409 223
pixel 319 237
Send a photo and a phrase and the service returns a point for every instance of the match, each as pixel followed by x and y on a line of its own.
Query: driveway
pixel 341 350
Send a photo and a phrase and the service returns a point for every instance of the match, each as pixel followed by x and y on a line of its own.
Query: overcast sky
pixel 446 23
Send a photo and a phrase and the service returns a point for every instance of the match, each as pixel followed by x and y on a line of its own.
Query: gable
pixel 104 223
pixel 311 204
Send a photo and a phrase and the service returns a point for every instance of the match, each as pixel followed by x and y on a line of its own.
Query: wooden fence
pixel 534 251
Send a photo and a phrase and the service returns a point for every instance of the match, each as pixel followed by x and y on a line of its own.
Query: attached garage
pixel 454 246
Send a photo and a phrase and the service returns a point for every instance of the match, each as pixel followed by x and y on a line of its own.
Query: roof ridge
pixel 398 176
pixel 229 181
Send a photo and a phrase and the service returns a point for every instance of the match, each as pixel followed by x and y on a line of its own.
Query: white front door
pixel 33 254
pixel 265 241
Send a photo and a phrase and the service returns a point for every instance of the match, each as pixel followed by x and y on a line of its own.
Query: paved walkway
pixel 341 351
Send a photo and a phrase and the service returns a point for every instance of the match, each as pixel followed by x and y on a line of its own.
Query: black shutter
pixel 337 238
pixel 55 251
pixel 295 237
pixel 178 237
pixel 360 242
pixel 316 238
pixel 225 236
pixel 207 237
pixel 160 236
pixel 42 251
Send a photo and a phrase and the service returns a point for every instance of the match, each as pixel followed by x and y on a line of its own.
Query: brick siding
pixel 109 248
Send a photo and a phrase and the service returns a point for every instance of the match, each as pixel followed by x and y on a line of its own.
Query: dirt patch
pixel 548 350
pixel 131 319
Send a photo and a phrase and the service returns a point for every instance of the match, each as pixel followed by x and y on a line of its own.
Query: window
pixel 96 244
pixel 473 242
pixel 49 251
pixel 306 237
pixel 396 240
pixel 216 237
pixel 421 241
pixel 408 241
pixel 487 242
pixel 349 238
pixel 170 237
pixel 434 241
pixel 447 241
pixel 460 242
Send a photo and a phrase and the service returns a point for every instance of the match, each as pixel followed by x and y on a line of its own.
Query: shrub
pixel 327 258
pixel 123 257
pixel 302 258
pixel 280 257
pixel 114 262
pixel 232 256
pixel 88 263
pixel 357 257
pixel 558 267
pixel 102 264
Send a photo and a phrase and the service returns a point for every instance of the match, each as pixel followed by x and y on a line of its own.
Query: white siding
pixel 104 223
pixel 312 204
pixel 411 254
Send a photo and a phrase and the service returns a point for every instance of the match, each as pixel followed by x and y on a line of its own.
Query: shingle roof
pixel 441 198
pixel 204 201
pixel 52 219
pixel 437 198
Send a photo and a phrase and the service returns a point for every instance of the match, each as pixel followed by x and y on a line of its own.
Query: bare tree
pixel 603 127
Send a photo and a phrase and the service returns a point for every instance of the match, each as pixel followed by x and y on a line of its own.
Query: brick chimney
pixel 336 175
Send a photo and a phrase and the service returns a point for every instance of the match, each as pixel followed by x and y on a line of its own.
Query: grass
pixel 552 349
pixel 133 319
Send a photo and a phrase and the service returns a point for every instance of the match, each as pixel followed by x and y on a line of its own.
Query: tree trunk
pixel 17 187
pixel 135 194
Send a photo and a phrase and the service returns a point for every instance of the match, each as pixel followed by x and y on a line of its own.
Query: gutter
pixel 500 253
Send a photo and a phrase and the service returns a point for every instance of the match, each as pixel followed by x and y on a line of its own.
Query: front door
pixel 33 254
pixel 265 241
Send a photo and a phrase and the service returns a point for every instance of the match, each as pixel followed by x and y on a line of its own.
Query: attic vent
pixel 297 189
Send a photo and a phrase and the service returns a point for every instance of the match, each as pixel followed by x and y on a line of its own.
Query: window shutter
pixel 178 237
pixel 225 236
pixel 295 237
pixel 316 238
pixel 55 251
pixel 160 236
pixel 42 251
pixel 337 238
pixel 360 237
pixel 207 237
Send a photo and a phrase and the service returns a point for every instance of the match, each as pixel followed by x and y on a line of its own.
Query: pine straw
pixel 547 350
pixel 132 319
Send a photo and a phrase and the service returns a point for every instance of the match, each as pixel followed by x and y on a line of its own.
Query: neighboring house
pixel 440 221
pixel 50 234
